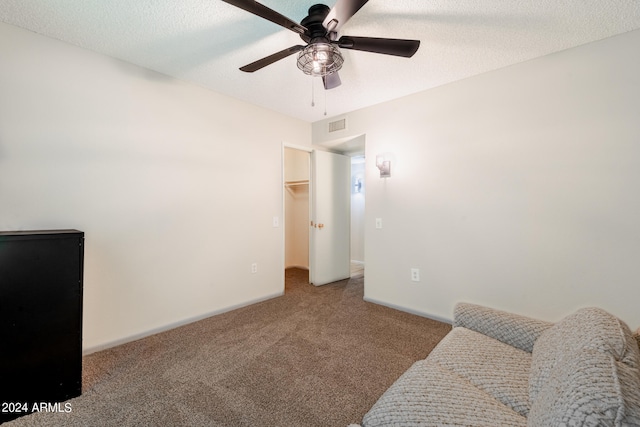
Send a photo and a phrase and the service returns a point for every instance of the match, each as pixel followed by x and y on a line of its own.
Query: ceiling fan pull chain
pixel 313 102
pixel 325 102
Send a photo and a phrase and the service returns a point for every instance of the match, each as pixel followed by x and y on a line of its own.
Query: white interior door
pixel 330 214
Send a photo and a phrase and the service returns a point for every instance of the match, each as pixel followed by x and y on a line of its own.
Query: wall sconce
pixel 357 187
pixel 384 166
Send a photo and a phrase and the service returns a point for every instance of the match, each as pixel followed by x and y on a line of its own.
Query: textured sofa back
pixel 585 370
pixel 513 329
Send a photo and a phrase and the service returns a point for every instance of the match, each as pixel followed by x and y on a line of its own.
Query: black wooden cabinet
pixel 40 319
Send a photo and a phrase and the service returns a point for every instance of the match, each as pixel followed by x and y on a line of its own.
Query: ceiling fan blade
pixel 269 14
pixel 260 63
pixel 331 81
pixel 341 12
pixel 397 47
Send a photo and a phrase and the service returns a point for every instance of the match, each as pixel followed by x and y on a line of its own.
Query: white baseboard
pixel 409 310
pixel 174 325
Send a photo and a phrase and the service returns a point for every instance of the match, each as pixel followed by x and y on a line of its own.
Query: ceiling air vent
pixel 338 125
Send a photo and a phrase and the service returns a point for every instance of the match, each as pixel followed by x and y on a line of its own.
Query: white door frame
pixel 309 150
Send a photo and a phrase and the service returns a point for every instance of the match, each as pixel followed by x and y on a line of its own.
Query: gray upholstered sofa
pixel 500 369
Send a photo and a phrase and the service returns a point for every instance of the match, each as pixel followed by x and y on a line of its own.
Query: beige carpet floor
pixel 317 356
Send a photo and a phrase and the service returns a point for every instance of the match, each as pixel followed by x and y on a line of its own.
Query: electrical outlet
pixel 415 275
pixel 254 267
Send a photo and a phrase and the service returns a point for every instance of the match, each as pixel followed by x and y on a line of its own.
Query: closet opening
pixel 296 208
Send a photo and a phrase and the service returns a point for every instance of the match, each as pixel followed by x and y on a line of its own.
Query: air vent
pixel 338 125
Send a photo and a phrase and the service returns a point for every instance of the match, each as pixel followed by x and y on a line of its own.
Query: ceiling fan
pixel 321 56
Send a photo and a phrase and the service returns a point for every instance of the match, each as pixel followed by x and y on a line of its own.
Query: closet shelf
pixel 295 187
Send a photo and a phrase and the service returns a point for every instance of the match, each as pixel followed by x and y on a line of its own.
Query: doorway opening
pixel 300 231
pixel 357 215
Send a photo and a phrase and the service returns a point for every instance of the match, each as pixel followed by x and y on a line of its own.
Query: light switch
pixel 276 222
pixel 378 222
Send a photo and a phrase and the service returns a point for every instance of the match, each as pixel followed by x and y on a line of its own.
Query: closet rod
pixel 294 183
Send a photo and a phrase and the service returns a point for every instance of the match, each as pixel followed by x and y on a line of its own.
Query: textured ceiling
pixel 206 41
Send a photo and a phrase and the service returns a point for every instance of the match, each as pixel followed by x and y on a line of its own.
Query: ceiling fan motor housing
pixel 313 22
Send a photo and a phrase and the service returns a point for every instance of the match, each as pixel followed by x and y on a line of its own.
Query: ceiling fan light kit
pixel 321 57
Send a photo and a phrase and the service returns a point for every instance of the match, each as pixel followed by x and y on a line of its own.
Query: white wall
pixel 175 186
pixel 518 188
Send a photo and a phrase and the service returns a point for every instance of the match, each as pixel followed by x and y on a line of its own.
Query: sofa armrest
pixel 513 329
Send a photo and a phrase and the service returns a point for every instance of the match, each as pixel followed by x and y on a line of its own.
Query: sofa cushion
pixel 428 394
pixel 588 328
pixel 589 389
pixel 493 366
